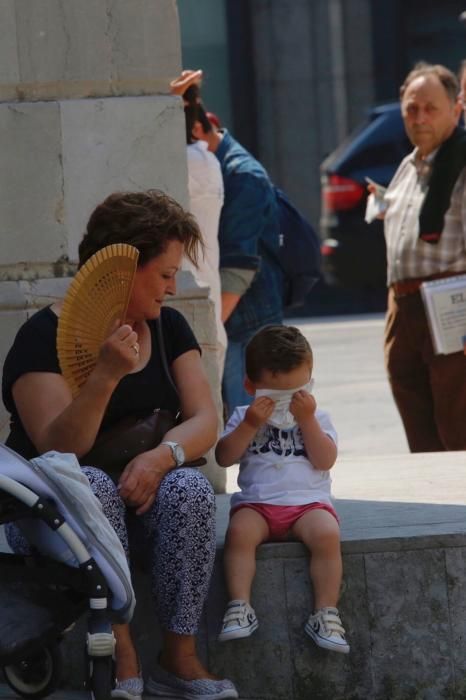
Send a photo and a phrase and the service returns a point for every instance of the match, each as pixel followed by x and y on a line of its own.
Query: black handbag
pixel 115 447
pixel 126 439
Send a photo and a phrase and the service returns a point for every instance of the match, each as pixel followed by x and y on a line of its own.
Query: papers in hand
pixel 376 204
pixel 445 303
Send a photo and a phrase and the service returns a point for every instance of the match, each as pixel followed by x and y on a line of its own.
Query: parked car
pixel 353 252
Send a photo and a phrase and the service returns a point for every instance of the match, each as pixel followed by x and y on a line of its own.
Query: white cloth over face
pixel 281 416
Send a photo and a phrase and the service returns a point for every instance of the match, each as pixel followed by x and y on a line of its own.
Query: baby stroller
pixel 78 565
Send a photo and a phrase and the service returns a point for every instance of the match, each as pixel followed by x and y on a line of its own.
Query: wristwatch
pixel 177 452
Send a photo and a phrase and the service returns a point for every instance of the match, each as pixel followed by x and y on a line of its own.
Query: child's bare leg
pixel 247 529
pixel 126 658
pixel 319 531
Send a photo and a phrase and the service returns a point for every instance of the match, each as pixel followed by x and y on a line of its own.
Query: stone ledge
pixel 403 599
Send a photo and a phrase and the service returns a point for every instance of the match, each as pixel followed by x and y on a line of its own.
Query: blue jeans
pixel 234 393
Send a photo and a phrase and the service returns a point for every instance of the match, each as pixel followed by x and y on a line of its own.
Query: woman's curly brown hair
pixel 146 220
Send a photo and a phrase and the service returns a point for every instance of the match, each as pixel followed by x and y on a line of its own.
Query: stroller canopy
pixel 58 477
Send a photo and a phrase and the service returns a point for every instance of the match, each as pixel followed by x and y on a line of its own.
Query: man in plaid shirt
pixel 425 231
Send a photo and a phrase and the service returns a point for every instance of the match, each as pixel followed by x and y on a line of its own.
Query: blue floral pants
pixel 176 537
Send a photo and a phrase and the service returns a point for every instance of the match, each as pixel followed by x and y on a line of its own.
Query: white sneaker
pixel 239 621
pixel 325 628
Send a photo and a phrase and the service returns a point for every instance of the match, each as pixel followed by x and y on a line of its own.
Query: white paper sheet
pixel 445 302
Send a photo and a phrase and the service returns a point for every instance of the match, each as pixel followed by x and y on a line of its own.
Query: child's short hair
pixel 276 349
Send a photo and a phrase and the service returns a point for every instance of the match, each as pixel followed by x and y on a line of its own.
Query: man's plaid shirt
pixel 407 255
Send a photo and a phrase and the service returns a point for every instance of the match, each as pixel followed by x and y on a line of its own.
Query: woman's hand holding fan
pixel 95 303
pixel 119 354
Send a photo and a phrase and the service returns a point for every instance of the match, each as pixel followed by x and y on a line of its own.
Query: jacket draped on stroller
pixel 77 565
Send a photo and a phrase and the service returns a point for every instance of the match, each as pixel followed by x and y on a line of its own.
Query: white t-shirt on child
pixel 275 469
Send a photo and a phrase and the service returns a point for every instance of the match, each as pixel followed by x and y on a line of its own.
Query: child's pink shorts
pixel 281 519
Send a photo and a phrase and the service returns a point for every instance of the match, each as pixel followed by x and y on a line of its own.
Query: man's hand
pixel 302 406
pixel 259 411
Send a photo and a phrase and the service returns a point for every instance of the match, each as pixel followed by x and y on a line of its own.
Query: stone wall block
pixel 318 673
pixel 135 53
pixel 455 564
pixel 10 322
pixel 67 49
pixel 193 302
pixel 42 292
pixel 313 73
pixel 408 606
pixel 31 183
pixel 268 672
pixel 119 144
pixel 9 67
pixel 62 40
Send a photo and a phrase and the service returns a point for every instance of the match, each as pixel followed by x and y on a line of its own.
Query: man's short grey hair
pixel 442 73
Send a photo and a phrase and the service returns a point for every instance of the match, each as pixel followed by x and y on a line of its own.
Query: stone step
pixel 403 521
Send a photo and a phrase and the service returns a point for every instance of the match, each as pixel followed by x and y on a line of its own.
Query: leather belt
pixel 404 288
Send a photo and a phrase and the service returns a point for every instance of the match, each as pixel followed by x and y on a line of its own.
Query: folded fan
pixel 96 298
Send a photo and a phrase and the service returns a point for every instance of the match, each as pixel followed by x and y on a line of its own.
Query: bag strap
pixel 201 462
pixel 163 354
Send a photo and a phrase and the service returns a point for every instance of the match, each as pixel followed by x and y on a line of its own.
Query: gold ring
pixel 135 348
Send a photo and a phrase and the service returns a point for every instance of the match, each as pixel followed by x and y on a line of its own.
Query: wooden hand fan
pixel 96 298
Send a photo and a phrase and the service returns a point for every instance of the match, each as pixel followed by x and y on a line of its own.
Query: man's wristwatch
pixel 177 452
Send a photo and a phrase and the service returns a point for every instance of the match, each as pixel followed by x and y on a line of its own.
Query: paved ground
pixel 350 383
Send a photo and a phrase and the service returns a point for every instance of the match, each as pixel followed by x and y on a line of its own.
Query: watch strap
pixel 173 445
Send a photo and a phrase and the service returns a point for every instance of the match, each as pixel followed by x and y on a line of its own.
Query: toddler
pixel 286 448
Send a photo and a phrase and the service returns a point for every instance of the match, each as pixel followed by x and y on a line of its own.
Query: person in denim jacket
pixel 251 279
pixel 249 238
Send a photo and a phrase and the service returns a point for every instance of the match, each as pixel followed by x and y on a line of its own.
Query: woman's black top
pixel 35 350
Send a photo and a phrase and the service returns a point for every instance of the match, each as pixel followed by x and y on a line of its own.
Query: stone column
pixel 313 68
pixel 84 111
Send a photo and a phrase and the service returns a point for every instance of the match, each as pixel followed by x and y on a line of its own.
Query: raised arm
pixel 320 448
pixel 232 446
pixel 54 420
pixel 245 212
